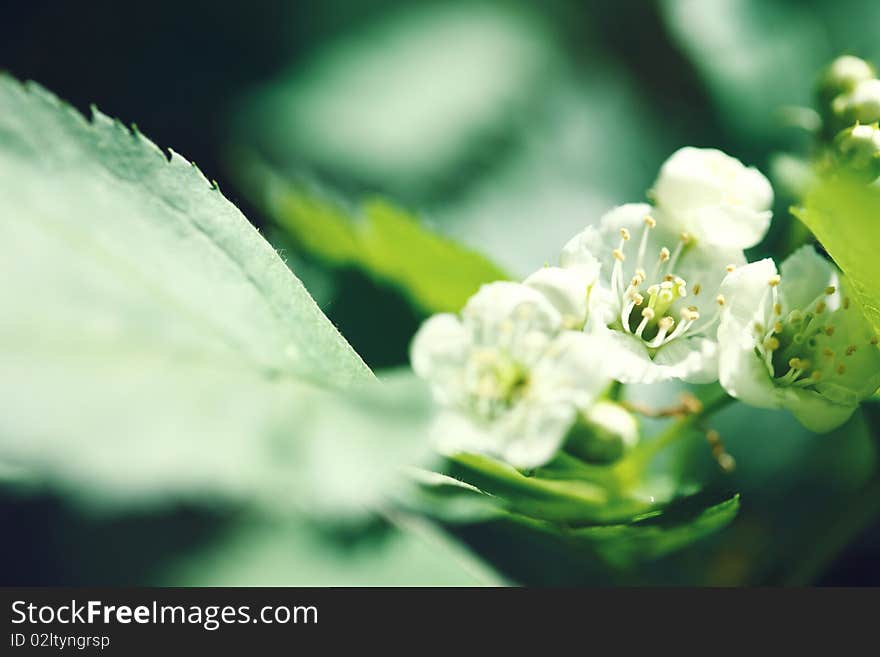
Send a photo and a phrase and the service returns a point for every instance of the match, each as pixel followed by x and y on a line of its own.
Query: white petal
pixel 715 197
pixel 496 306
pixel 583 250
pixel 531 433
pixel 572 370
pixel 804 275
pixel 567 290
pixel 455 433
pixel 746 293
pixel 441 342
pixel 694 360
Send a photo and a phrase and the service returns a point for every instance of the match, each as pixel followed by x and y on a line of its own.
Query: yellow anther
pixel 830 290
pixel 773 281
pixel 669 278
pixel 777 327
pixel 618 255
pixel 816 375
pixel 730 268
pixel 649 313
pixel 777 308
pixel 690 314
pixel 829 331
pixel 624 233
pixel 641 273
pixel 850 350
pixel 820 307
pixel 795 363
pixel 666 322
pixel 685 237
pixel 759 327
pixel 638 299
pixel 650 222
pixel 827 353
pixel 664 254
pixel 845 303
pixel 719 299
pixel 771 344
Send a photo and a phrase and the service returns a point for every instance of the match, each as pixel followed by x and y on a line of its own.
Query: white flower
pixel 510 378
pixel 794 340
pixel 714 197
pixel 655 304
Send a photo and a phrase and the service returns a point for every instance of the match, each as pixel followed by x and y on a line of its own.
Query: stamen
pixel 664 325
pixel 830 290
pixel 777 327
pixel 846 303
pixel 618 255
pixel 624 234
pixel 697 289
pixel 820 307
pixel 643 242
pixel 730 268
pixel 647 316
pixel 777 308
pixel 829 330
pixel 850 350
pixel 719 299
pixel 773 281
pixel 771 344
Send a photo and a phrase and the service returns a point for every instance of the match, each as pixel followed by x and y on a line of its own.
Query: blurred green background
pixel 506 126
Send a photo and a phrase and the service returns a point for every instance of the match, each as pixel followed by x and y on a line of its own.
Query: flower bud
pixel 842 76
pixel 861 105
pixel 602 433
pixel 857 149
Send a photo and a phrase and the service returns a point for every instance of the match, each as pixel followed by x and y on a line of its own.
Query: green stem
pixel 642 456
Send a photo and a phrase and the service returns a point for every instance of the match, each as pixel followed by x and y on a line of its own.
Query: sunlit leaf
pixel 845 217
pixel 383 240
pixel 154 345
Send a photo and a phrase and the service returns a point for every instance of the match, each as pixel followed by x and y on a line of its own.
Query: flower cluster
pixel 649 294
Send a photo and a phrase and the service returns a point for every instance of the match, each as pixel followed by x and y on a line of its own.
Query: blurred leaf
pixel 756 57
pixel 154 345
pixel 845 217
pixel 391 245
pixel 291 553
pixel 403 102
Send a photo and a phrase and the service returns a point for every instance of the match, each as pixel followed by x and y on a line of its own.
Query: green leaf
pixel 412 552
pixel 579 498
pixel 154 345
pixel 388 243
pixel 845 217
pixel 627 544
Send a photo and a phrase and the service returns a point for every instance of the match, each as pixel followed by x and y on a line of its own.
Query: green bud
pixel 857 149
pixel 861 105
pixel 603 433
pixel 842 76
